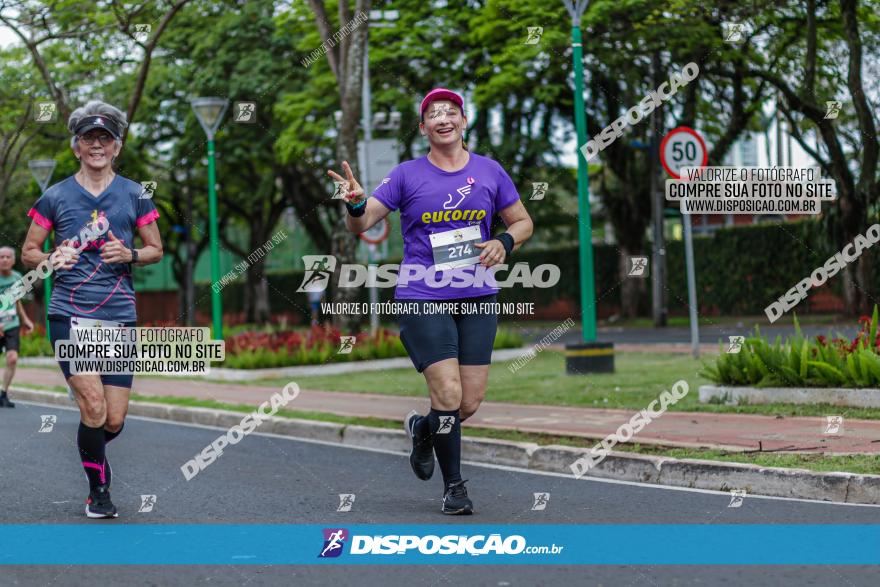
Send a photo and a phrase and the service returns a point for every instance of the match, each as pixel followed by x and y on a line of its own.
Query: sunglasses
pixel 104 138
pixel 441 111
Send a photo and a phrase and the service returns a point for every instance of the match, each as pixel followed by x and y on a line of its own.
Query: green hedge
pixel 605 264
pixel 740 270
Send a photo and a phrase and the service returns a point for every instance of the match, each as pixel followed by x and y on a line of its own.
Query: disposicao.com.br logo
pixel 431 544
pixel 320 268
pixel 334 541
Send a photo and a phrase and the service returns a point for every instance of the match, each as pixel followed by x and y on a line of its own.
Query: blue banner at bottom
pixel 267 544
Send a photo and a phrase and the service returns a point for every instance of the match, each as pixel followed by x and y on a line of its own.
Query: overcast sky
pixel 7 37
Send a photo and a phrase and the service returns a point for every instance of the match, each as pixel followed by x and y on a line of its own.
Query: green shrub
pixel 801 362
pixel 506 338
pixel 35 344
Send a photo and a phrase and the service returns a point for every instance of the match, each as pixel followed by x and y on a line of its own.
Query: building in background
pixel 745 153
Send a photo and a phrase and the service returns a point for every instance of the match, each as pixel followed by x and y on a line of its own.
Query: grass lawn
pixel 640 377
pixel 638 380
pixel 863 464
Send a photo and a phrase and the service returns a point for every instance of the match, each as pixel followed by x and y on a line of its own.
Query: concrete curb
pixel 836 396
pixel 621 466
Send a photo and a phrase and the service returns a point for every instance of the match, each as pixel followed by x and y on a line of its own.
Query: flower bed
pixel 258 350
pixel 801 362
pixel 266 350
pixel 273 347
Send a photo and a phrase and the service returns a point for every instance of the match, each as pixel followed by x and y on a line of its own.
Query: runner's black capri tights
pixel 430 337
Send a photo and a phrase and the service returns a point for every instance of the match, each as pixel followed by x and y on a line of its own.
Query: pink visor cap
pixel 441 94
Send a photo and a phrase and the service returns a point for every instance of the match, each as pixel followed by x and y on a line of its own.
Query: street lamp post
pixel 42 170
pixel 589 356
pixel 210 112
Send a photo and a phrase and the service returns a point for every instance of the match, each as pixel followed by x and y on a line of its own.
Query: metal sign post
pixel 684 147
pixel 373 236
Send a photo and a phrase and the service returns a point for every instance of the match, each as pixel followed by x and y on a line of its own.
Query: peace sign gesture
pixel 352 192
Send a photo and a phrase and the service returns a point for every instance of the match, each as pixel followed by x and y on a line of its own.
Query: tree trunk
pixel 481 129
pixel 850 301
pixel 258 307
pixel 864 283
pixel 852 213
pixel 344 243
pixel 178 269
pixel 248 300
pixel 344 248
pixel 632 289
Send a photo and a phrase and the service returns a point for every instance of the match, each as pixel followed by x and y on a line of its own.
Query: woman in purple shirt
pixel 93 283
pixel 447 201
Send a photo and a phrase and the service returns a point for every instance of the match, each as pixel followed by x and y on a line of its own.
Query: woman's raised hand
pixel 352 192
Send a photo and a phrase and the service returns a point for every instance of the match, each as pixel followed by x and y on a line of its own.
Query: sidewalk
pixel 686 429
pixel 499 355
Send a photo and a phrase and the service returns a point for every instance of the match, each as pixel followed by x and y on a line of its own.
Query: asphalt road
pixel 710 334
pixel 266 479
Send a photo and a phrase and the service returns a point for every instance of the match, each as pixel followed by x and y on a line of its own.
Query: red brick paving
pixel 691 429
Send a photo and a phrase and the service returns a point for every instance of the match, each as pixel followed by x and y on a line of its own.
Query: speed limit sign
pixel 376 233
pixel 682 147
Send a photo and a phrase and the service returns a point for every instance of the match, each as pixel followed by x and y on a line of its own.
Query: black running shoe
pixel 421 457
pixel 456 500
pixel 98 505
pixel 4 401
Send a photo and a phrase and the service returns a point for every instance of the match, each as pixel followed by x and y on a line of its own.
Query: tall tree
pixel 99 29
pixel 245 56
pixel 344 48
pixel 813 53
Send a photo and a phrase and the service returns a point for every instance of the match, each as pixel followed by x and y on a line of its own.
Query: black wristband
pixel 134 255
pixel 357 211
pixel 507 240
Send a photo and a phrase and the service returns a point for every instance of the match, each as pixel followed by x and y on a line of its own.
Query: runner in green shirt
pixel 9 322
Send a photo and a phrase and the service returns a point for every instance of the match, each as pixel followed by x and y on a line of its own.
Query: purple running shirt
pixel 442 214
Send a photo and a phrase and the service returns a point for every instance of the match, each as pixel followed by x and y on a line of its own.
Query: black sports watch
pixel 134 255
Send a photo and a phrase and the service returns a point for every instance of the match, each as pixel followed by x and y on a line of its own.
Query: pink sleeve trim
pixel 41 220
pixel 150 216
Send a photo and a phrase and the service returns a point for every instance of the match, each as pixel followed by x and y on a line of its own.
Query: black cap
pixel 92 122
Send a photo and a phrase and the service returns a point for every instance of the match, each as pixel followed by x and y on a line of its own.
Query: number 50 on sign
pixel 682 147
